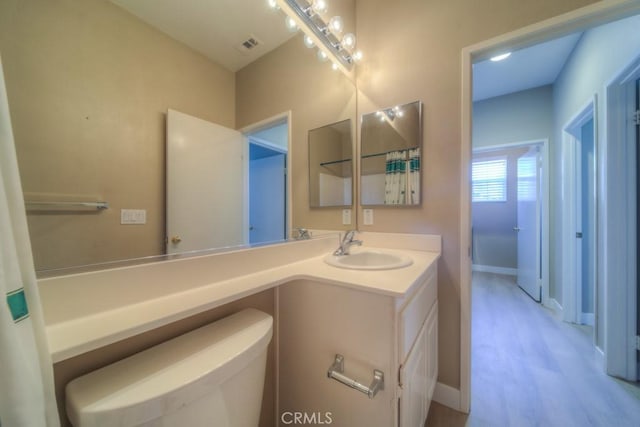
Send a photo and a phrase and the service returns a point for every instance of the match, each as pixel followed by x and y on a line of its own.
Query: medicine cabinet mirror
pixel 331 165
pixel 390 156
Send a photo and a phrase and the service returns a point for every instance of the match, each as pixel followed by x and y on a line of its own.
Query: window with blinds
pixel 489 180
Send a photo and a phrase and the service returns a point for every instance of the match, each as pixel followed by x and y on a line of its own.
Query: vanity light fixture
pixel 292 26
pixel 326 35
pixel 319 6
pixel 308 41
pixel 501 57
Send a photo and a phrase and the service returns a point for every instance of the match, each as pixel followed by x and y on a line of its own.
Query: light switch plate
pixel 368 217
pixel 133 216
pixel 346 216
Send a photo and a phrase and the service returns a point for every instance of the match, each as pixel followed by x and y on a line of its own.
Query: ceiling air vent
pixel 249 44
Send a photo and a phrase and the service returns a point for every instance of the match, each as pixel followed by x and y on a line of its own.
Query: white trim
pixel 577 20
pixel 494 269
pixel 619 226
pixel 447 396
pixel 267 144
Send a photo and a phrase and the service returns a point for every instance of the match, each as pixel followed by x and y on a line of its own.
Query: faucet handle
pixel 349 235
pixel 303 233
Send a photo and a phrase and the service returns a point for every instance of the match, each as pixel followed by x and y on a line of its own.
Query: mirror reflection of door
pixel 268 149
pixel 205 181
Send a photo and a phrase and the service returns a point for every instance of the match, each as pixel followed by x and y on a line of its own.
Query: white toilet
pixel 212 376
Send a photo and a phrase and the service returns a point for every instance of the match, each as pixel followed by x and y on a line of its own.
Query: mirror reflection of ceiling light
pixel 501 57
pixel 390 114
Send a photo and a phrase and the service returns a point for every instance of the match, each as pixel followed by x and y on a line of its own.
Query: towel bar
pixel 336 371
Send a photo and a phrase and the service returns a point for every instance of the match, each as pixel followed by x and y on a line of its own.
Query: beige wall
pixel 412 52
pixel 89 86
pixel 316 96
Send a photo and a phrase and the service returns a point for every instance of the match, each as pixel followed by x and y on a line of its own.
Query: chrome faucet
pixel 346 243
pixel 303 234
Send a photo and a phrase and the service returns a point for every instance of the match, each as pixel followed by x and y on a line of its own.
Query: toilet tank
pixel 212 376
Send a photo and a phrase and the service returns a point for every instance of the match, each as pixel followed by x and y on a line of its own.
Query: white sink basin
pixel 369 259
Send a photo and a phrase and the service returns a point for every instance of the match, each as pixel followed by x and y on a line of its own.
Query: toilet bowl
pixel 212 376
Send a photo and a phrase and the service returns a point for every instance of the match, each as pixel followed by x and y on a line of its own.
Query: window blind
pixel 489 180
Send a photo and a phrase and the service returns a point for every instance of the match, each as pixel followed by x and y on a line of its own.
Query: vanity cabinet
pixel 394 334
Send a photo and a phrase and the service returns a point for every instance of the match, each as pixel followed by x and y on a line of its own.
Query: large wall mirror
pixel 390 156
pixel 331 165
pixel 90 84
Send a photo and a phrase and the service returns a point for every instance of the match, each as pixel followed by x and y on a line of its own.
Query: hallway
pixel 531 369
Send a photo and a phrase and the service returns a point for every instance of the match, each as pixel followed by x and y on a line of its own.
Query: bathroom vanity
pixel 376 319
pixel 397 335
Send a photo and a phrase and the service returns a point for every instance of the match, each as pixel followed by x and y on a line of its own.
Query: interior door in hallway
pixel 528 228
pixel 205 181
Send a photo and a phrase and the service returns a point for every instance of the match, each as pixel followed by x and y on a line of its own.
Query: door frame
pixel 571 207
pixel 620 216
pixel 543 143
pixel 578 20
pixel 277 119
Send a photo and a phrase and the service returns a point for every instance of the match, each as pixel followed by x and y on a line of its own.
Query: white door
pixel 205 174
pixel 267 199
pixel 528 227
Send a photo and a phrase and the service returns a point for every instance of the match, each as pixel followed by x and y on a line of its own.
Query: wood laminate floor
pixel 529 368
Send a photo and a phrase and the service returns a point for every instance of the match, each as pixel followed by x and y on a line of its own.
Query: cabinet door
pixel 418 375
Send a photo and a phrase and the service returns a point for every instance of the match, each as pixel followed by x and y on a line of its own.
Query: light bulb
pixel 349 41
pixel 272 4
pixel 308 42
pixel 291 24
pixel 334 66
pixel 335 24
pixel 322 56
pixel 357 55
pixel 320 6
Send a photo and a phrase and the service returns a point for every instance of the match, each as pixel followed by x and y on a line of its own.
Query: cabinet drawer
pixel 414 313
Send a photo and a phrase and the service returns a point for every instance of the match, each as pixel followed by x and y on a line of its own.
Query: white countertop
pixel 78 334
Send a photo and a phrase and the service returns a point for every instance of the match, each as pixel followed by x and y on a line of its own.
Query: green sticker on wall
pixel 17 305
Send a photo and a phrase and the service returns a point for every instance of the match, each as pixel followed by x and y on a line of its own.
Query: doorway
pixel 268 196
pixel 579 222
pixel 511 233
pixel 617 274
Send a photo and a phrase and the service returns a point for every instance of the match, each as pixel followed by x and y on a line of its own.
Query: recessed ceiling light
pixel 501 57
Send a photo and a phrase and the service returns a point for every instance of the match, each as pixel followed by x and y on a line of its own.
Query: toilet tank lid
pixel 213 352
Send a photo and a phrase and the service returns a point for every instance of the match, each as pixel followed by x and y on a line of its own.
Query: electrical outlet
pixel 133 216
pixel 346 216
pixel 368 217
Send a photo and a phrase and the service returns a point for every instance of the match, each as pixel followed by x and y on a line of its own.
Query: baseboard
pixel 495 270
pixel 447 396
pixel 588 319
